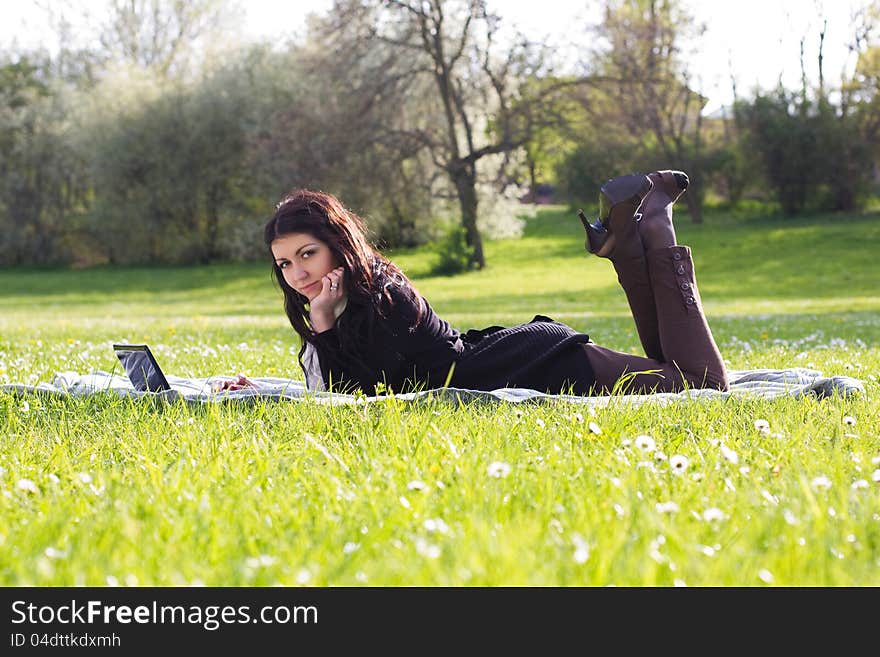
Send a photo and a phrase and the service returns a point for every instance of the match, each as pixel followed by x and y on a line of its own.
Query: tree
pixel 159 34
pixel 42 180
pixel 475 103
pixel 641 57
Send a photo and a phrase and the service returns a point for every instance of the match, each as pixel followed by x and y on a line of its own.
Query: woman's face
pixel 304 260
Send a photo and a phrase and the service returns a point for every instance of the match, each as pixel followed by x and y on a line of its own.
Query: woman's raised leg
pixel 687 355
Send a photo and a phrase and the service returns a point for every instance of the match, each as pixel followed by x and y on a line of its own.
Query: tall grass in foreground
pixel 105 491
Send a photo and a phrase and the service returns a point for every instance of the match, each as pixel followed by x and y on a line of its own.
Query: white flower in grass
pixel 54 553
pixel 875 460
pixel 262 561
pixel 678 463
pixel 581 549
pixel 27 486
pixel 820 482
pixel 350 547
pixel 577 417
pixel 708 550
pixel 861 484
pixel 849 420
pixel 762 426
pixel 85 477
pixel 498 469
pixel 303 576
pixel 595 428
pixel 436 525
pixel 645 443
pixel 427 549
pixel 729 454
pixel 417 485
pixel 25 407
pixel 712 514
pixel 540 423
pixel 404 502
pixel 765 576
pixel 659 455
pixel 667 507
pixel 875 476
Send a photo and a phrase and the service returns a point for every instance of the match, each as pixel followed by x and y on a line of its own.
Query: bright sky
pixel 755 40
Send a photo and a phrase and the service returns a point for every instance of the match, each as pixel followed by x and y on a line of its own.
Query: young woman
pixel 363 324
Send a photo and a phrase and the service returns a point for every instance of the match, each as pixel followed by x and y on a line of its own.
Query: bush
pixel 452 251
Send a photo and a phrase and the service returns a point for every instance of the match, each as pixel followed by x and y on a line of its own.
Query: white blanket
pixel 761 383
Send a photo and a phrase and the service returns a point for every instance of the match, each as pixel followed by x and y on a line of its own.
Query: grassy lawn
pixel 102 491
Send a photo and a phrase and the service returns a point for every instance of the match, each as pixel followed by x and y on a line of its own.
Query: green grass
pixel 397 494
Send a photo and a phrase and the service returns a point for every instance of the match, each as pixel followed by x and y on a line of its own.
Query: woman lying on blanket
pixel 362 322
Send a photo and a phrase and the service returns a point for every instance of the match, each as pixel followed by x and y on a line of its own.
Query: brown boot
pixel 654 216
pixel 615 234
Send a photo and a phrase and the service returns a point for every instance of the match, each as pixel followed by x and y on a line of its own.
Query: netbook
pixel 141 367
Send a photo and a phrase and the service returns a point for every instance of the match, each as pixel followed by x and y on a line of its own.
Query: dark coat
pixel 412 348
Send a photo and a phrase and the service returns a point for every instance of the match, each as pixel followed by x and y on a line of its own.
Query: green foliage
pixel 814 157
pixel 451 251
pixel 42 177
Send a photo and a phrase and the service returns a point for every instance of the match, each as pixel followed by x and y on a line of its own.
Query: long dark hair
pixel 367 272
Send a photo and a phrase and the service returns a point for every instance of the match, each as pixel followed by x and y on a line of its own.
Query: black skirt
pixel 543 355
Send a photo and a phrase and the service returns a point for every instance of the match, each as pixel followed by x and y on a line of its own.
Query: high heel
pixel 619 198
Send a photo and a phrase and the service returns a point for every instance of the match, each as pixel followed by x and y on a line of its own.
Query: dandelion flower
pixel 849 420
pixel 577 417
pixel 645 443
pixel 581 549
pixel 822 482
pixel 712 514
pixel 679 463
pixel 729 454
pixel 436 525
pixel 427 549
pixel 27 486
pixel 498 469
pixel 762 426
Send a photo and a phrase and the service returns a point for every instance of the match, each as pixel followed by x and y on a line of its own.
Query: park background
pixel 142 147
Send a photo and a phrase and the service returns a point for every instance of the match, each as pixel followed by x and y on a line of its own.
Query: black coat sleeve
pixel 408 347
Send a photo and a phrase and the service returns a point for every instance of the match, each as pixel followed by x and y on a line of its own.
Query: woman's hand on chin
pixel 326 307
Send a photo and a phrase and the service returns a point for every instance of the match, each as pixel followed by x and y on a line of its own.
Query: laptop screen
pixel 141 367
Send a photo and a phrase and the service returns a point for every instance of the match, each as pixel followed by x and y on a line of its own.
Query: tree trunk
pixel 464 178
pixel 694 208
pixel 213 228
